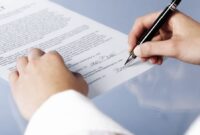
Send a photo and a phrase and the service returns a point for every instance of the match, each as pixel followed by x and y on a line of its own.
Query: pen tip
pixel 126 62
pixel 129 59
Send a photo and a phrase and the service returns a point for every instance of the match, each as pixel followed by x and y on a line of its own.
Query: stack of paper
pixel 90 48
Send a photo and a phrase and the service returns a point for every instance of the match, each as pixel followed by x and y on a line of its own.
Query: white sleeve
pixel 195 128
pixel 70 113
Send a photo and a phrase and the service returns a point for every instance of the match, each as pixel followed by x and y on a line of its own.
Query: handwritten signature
pixel 102 59
pixel 120 69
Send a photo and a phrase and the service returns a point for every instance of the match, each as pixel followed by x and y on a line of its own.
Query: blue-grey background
pixel 163 100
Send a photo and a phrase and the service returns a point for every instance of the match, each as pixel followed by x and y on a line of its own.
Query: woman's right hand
pixel 179 38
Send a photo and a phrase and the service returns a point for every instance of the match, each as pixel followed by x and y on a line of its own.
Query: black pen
pixel 162 19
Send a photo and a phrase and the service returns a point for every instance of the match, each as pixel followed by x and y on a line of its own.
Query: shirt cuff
pixel 71 113
pixel 195 128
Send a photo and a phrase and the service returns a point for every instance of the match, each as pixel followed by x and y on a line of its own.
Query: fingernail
pixel 137 51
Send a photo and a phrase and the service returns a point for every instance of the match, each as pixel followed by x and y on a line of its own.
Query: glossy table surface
pixel 162 101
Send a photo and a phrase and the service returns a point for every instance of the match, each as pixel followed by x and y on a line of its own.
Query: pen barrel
pixel 160 21
pixel 176 2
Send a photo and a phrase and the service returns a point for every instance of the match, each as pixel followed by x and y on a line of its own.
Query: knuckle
pixel 35 51
pixel 20 59
pixel 53 54
pixel 33 62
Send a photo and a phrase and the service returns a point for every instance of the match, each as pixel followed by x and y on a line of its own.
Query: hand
pixel 38 77
pixel 179 38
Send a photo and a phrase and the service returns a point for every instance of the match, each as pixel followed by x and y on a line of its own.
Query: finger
pixel 157 38
pixel 22 62
pixel 13 77
pixel 139 27
pixel 35 53
pixel 157 48
pixel 154 59
pixel 77 74
pixel 83 83
pixel 144 59
pixel 160 61
pixel 56 55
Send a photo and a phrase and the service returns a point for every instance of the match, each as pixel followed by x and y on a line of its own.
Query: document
pixel 88 47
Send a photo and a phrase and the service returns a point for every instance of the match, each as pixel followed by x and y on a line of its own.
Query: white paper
pixel 90 48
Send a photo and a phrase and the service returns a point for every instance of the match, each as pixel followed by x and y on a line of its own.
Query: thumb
pixel 157 48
